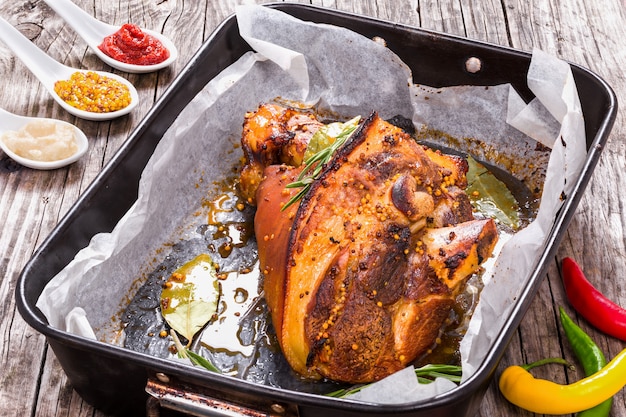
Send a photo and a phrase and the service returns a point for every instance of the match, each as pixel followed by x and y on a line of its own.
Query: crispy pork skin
pixel 273 135
pixel 362 274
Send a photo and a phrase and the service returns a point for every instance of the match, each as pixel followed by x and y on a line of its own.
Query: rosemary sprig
pixel 329 138
pixel 199 360
pixel 425 375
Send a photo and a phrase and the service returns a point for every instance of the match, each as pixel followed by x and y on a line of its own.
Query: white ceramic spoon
pixel 93 31
pixel 10 121
pixel 49 71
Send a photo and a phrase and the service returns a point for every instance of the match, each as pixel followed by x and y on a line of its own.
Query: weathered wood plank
pixel 584 34
pixel 24 207
pixel 32 202
pixel 404 12
pixel 444 16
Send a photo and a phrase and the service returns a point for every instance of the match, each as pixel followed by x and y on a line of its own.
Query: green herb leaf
pixel 320 150
pixel 189 297
pixel 199 360
pixel 328 134
pixel 193 357
pixel 430 372
pixel 490 196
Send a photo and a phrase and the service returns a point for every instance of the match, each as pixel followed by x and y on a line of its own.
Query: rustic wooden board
pixel 586 32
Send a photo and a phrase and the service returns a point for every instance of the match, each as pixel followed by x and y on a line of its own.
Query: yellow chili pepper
pixel 547 397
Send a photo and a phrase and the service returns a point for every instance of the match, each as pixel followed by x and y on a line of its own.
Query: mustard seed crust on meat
pixel 361 275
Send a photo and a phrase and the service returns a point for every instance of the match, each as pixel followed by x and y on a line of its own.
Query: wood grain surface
pixel 587 32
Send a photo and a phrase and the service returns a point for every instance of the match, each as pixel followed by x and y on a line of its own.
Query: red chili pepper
pixel 590 303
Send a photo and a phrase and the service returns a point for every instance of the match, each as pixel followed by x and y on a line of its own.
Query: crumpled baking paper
pixel 386 390
pixel 349 75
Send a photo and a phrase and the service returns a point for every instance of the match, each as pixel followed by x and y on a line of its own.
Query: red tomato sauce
pixel 133 46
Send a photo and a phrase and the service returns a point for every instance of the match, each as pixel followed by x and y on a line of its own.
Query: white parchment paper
pixel 348 74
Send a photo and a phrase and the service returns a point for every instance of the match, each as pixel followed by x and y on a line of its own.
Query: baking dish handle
pixel 166 395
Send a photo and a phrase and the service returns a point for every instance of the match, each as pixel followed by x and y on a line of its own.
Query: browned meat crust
pixel 361 276
pixel 273 135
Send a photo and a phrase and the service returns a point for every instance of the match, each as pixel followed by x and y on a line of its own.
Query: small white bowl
pixel 10 121
pixel 93 31
pixel 49 71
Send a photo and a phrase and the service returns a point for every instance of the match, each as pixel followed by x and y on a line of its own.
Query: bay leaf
pixel 490 196
pixel 328 134
pixel 190 295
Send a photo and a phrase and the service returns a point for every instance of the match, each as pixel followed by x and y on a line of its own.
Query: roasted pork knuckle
pixel 361 275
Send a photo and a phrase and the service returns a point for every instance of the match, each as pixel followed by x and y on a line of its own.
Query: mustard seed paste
pixel 93 92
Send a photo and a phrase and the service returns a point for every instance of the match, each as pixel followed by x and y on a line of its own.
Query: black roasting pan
pixel 114 379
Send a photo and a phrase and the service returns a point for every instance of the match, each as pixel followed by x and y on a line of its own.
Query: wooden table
pixel 588 32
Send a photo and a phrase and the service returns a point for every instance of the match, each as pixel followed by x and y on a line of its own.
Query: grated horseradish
pixel 42 140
